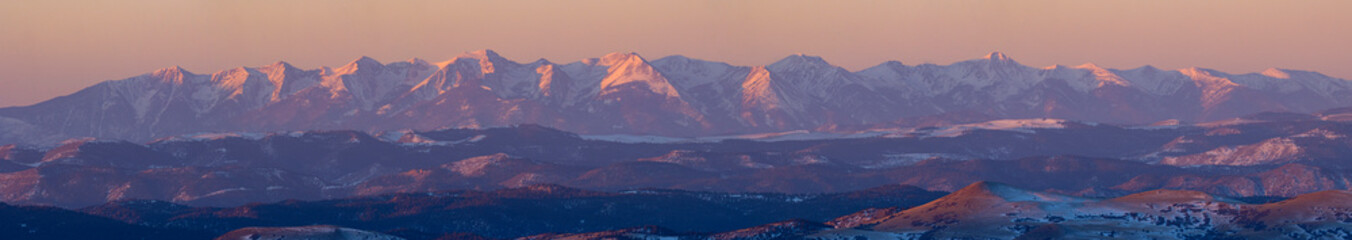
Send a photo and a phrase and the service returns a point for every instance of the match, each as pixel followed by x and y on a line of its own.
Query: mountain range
pixel 625 93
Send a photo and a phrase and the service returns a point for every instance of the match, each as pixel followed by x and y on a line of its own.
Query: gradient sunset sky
pixel 55 47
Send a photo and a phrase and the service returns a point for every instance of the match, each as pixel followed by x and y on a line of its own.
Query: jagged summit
pixel 1145 68
pixel 621 59
pixel 365 60
pixel 487 61
pixel 484 54
pixel 995 61
pixel 629 68
pixel 278 66
pixel 1090 66
pixel 172 75
pixel 997 56
pixel 999 59
pixel 364 64
pixel 418 61
pixel 172 70
pixel 797 61
pixel 361 63
pixel 618 58
pixel 1200 71
pixel 280 63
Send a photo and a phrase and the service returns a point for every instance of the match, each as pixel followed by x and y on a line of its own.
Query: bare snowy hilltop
pixel 674 96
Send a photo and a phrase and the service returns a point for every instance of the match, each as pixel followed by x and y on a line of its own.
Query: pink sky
pixel 52 48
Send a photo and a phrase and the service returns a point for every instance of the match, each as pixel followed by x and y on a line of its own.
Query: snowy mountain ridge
pixel 624 93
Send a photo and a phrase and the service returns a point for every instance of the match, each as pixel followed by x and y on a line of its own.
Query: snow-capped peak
pixel 174 74
pixel 1207 77
pixel 418 62
pixel 998 56
pixel 1104 76
pixel 618 58
pixel 998 63
pixel 1198 71
pixel 233 79
pixel 993 61
pixel 1276 73
pixel 686 73
pixel 365 60
pixel 758 91
pixel 626 68
pixel 1215 86
pixel 282 65
pixel 172 70
pixel 487 60
pixel 482 55
pixel 361 63
pixel 288 79
pixel 798 61
pixel 1090 66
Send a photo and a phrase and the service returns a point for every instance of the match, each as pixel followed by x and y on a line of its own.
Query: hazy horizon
pixel 53 48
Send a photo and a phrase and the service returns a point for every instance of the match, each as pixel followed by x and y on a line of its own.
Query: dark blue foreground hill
pixel 520 212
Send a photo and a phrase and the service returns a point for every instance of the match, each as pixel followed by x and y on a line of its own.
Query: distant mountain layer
pixel 1268 154
pixel 624 93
